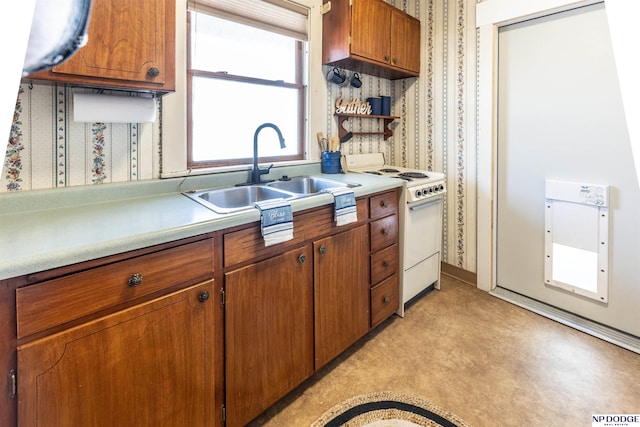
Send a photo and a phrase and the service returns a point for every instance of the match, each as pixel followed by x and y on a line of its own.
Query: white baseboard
pixel 614 336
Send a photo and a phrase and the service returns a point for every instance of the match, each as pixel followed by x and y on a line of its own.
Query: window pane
pixel 227 113
pixel 224 46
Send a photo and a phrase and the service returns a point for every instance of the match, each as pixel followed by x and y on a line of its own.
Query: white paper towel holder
pixel 103 108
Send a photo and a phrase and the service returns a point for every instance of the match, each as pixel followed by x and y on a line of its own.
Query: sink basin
pixel 307 185
pixel 228 200
pixel 234 199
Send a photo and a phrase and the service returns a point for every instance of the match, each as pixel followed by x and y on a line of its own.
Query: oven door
pixel 422 231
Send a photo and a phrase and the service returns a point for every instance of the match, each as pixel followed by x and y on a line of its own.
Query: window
pixel 243 72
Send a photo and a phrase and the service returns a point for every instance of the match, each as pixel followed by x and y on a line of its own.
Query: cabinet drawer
pixel 383 204
pixel 384 232
pixel 55 302
pixel 247 244
pixel 384 300
pixel 384 263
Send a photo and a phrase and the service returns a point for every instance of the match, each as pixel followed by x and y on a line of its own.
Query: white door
pixel 560 117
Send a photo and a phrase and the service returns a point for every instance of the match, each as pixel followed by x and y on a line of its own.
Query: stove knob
pixel 418 193
pixel 430 190
pixel 441 187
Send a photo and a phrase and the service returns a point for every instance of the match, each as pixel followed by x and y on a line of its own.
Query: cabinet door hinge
pixel 222 297
pixel 13 384
pixel 223 414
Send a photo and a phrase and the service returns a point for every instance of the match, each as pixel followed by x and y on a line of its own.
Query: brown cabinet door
pixel 126 40
pixel 146 365
pixel 405 42
pixel 269 332
pixel 131 45
pixel 370 30
pixel 341 292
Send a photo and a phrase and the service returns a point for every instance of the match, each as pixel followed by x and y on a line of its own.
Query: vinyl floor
pixel 486 360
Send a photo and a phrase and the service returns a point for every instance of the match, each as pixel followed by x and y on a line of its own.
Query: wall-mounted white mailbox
pixel 577 238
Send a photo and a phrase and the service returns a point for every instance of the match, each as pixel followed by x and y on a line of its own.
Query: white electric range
pixel 420 218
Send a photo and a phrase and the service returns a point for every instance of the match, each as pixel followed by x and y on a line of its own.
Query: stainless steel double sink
pixel 235 199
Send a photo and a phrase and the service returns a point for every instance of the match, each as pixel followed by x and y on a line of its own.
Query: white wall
pixel 15 26
pixel 625 33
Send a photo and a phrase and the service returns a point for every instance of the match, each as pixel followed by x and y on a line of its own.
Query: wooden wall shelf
pixel 387 121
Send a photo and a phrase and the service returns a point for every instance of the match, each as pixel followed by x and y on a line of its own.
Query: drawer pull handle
pixel 384 204
pixel 13 384
pixel 322 250
pixel 135 280
pixel 385 263
pixel 385 231
pixel 203 296
pixel 302 259
pixel 387 300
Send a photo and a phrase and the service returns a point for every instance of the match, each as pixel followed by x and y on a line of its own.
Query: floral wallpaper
pixel 47 149
pixel 13 161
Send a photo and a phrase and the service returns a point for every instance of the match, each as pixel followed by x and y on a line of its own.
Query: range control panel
pixel 426 191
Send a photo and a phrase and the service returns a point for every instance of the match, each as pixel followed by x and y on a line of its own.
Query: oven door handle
pixel 425 205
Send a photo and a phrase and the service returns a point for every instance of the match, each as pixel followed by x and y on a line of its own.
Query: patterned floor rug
pixel 387 409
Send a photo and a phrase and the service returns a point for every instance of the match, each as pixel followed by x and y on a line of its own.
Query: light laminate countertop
pixel 45 229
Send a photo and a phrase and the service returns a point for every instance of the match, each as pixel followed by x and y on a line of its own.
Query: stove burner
pixel 406 178
pixel 389 170
pixel 413 175
pixel 373 172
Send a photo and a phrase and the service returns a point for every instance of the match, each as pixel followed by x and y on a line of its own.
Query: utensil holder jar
pixel 330 162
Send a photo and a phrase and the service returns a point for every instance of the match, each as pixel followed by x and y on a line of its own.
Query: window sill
pixel 311 164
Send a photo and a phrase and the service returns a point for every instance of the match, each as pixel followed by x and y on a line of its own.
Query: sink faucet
pixel 256 171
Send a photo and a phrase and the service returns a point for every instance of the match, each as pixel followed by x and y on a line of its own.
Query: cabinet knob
pixel 302 259
pixel 153 72
pixel 322 249
pixel 384 204
pixel 203 296
pixel 395 60
pixel 387 57
pixel 385 232
pixel 385 263
pixel 135 280
pixel 387 300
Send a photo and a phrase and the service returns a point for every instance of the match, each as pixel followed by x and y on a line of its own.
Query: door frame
pixel 490 16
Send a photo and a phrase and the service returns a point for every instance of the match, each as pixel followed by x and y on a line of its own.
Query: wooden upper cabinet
pixel 131 45
pixel 370 30
pixel 372 37
pixel 405 41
